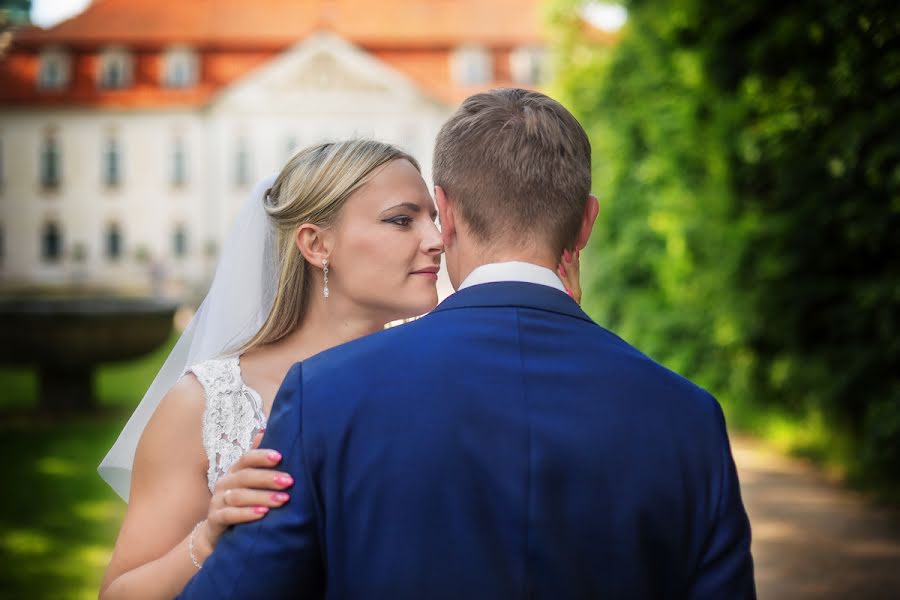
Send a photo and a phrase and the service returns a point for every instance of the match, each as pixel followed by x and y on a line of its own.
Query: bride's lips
pixel 430 272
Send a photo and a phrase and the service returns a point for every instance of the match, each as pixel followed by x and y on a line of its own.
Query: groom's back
pixel 500 448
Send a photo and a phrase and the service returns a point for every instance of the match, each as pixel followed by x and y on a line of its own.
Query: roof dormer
pixel 180 67
pixel 528 65
pixel 471 65
pixel 115 68
pixel 54 65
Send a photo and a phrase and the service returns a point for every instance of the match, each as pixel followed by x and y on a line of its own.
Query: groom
pixel 503 446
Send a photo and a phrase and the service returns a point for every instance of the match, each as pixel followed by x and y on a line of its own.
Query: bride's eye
pixel 402 221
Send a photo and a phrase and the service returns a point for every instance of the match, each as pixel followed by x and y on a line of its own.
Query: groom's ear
pixel 448 219
pixel 591 210
pixel 313 243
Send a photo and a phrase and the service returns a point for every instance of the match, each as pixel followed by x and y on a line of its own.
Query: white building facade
pixel 141 197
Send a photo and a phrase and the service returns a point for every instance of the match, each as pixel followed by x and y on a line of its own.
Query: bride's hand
pixel 246 492
pixel 569 270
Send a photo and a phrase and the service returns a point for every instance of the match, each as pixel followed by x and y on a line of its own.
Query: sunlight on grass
pixel 60 520
pixel 57 467
pixel 58 523
pixel 95 556
pixel 26 542
pixel 85 593
pixel 95 511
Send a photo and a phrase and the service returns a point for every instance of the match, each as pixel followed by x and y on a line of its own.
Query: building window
pixel 472 65
pixel 113 241
pixel 180 68
pixel 527 65
pixel 53 70
pixel 51 163
pixel 51 243
pixel 242 173
pixel 180 242
pixel 115 69
pixel 179 163
pixel 112 163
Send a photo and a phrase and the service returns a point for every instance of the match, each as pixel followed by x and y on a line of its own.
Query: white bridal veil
pixel 239 300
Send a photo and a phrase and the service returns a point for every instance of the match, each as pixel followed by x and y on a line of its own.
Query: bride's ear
pixel 313 243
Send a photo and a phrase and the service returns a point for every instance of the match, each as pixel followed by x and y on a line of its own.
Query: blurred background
pixel 746 157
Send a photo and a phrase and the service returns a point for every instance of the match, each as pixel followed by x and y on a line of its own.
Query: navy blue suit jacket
pixel 503 446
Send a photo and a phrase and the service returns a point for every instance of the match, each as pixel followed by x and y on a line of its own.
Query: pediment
pixel 322 65
pixel 324 71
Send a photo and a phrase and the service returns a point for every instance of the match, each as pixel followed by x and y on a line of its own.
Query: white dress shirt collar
pixel 513 271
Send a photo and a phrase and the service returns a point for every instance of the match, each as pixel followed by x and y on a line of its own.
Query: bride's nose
pixel 432 243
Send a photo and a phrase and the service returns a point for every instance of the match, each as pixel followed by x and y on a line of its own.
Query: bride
pixel 340 243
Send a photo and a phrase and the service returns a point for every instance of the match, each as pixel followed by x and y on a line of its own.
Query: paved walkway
pixel 812 538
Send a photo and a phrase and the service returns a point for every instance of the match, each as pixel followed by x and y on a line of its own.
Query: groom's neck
pixel 473 256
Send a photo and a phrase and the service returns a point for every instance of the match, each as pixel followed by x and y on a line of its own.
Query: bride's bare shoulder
pixel 186 389
pixel 177 421
pixel 185 397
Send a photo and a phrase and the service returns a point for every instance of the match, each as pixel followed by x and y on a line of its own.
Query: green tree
pixel 747 157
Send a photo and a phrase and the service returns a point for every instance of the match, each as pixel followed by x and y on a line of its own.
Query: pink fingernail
pixel 566 255
pixel 260 510
pixel 274 456
pixel 284 480
pixel 280 497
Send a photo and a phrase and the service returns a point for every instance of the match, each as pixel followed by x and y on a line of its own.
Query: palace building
pixel 130 134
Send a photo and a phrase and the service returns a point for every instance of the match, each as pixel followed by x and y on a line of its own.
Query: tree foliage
pixel 747 158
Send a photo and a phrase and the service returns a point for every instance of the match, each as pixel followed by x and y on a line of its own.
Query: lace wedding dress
pixel 232 417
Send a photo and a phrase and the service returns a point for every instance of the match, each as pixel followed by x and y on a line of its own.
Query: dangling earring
pixel 325 272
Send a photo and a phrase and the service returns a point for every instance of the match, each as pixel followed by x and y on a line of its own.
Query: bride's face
pixel 387 248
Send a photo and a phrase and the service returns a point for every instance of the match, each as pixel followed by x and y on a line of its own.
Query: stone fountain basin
pixel 81 332
pixel 66 338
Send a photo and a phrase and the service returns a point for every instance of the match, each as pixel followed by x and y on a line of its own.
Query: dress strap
pixel 232 415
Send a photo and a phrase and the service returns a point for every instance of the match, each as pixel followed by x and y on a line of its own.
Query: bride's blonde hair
pixel 312 188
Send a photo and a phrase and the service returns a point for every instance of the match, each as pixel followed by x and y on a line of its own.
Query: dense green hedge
pixel 747 158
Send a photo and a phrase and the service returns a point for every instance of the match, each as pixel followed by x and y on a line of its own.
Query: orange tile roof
pixel 282 22
pixel 233 37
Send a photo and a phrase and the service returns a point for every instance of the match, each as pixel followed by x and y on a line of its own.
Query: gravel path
pixel 811 537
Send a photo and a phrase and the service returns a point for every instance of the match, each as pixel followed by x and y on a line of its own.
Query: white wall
pixel 145 205
pixel 321 89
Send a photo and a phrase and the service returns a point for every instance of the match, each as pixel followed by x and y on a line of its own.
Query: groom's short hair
pixel 515 163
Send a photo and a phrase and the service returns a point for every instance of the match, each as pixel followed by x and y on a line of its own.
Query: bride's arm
pixel 169 496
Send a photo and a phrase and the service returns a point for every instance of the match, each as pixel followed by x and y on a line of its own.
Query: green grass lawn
pixel 58 519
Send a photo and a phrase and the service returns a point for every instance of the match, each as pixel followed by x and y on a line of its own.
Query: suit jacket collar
pixel 514 294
